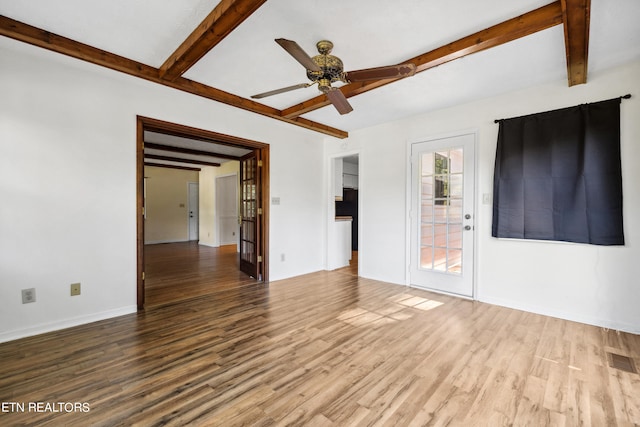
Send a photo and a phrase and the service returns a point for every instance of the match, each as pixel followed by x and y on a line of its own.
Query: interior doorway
pixel 344 213
pixel 189 149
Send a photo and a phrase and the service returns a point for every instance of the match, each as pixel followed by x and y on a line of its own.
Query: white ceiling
pixel 366 33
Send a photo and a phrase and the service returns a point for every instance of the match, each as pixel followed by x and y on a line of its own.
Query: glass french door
pixel 250 253
pixel 442 209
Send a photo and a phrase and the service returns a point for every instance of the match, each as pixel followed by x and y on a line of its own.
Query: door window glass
pixel 441 177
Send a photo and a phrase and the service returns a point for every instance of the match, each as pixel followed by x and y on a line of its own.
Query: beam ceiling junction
pixel 222 20
pixel 576 18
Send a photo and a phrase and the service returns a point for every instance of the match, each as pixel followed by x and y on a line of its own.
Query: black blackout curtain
pixel 558 176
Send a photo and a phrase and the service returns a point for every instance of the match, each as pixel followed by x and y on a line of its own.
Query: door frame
pixel 408 201
pixel 149 124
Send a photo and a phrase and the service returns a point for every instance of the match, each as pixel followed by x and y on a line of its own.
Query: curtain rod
pixel 627 96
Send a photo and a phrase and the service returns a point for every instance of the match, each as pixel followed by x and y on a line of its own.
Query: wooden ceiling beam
pixel 182 131
pixel 174 149
pixel 162 165
pixel 56 43
pixel 576 18
pixel 513 29
pixel 180 160
pixel 224 18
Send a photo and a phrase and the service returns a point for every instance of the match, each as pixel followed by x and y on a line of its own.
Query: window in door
pixel 441 225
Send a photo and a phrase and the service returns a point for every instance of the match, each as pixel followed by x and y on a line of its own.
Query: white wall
pixel 68 185
pixel 590 284
pixel 167 204
pixel 297 225
pixel 208 230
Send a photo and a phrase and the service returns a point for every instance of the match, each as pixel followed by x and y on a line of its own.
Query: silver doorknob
pixel 467 216
pixel 467 227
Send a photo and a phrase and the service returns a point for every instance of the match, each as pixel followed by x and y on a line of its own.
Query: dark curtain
pixel 558 176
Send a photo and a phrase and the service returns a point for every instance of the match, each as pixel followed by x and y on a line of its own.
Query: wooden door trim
pixel 146 123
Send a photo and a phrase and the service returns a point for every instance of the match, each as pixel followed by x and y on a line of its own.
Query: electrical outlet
pixel 75 289
pixel 28 295
pixel 282 257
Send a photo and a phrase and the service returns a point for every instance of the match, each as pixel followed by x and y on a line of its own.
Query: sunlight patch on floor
pixel 391 313
pixel 420 303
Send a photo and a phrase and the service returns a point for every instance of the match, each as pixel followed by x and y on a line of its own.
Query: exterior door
pixel 442 209
pixel 194 222
pixel 250 209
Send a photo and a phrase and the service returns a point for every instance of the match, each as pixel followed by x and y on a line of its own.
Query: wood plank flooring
pixel 323 349
pixel 179 271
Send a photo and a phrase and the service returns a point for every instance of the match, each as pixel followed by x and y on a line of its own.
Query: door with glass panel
pixel 250 211
pixel 442 209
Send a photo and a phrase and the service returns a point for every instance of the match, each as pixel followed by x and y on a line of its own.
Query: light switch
pixel 275 200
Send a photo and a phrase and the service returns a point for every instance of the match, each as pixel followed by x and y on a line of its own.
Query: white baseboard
pixel 66 323
pixel 558 314
pixel 159 242
pixel 209 245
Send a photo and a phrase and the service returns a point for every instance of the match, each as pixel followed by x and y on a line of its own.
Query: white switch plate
pixel 486 198
pixel 275 200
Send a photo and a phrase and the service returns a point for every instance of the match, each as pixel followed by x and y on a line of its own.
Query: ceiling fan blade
pixel 300 55
pixel 389 72
pixel 339 101
pixel 281 90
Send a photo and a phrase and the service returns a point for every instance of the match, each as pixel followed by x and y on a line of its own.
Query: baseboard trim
pixel 160 242
pixel 66 323
pixel 209 245
pixel 558 314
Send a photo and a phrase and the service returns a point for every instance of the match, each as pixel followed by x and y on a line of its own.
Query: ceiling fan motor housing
pixel 332 69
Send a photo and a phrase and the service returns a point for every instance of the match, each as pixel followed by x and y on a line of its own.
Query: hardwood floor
pixel 323 349
pixel 179 271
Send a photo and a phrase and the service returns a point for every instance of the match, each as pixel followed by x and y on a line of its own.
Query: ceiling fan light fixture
pixel 325 69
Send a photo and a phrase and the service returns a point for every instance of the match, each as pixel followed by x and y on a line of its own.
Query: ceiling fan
pixel 324 69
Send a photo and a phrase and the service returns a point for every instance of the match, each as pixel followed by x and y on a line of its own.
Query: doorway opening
pixel 166 144
pixel 345 213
